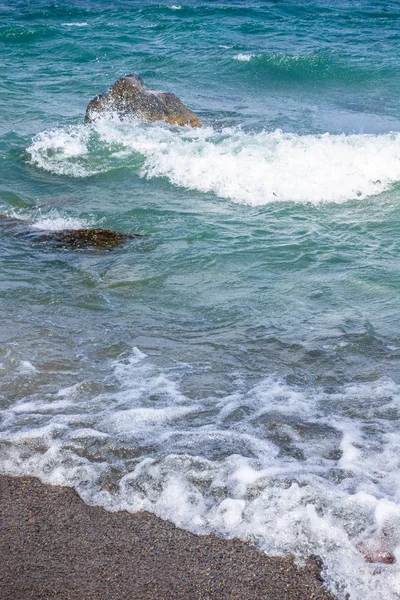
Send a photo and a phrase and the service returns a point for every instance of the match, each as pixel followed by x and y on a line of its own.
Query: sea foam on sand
pixel 298 472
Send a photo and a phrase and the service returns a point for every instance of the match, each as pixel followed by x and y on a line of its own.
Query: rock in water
pixel 81 238
pixel 68 238
pixel 128 97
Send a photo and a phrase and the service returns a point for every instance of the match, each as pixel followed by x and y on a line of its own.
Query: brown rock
pixel 68 238
pixel 376 551
pixel 129 97
pixel 81 238
pixel 381 556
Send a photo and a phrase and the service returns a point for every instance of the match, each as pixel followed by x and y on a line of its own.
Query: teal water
pixel 237 369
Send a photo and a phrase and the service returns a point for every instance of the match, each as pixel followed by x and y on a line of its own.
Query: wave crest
pixel 248 168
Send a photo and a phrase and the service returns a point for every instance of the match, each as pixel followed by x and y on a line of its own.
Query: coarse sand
pixel 52 545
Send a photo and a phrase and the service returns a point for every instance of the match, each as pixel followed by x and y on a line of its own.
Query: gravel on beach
pixel 52 545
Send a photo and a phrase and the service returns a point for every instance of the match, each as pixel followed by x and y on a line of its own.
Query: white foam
pixel 249 168
pixel 27 367
pixel 51 221
pixel 52 148
pixel 136 419
pixel 175 7
pixel 38 407
pixel 58 223
pixel 297 473
pixel 244 57
pixel 77 24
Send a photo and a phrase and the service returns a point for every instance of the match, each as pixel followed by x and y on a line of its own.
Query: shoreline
pixel 52 545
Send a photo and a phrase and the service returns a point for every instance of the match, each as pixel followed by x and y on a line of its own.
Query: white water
pixel 300 471
pixel 244 57
pixel 58 223
pixel 78 24
pixel 250 168
pixel 53 220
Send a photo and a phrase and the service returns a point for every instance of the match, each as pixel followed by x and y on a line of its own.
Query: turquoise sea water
pixel 237 369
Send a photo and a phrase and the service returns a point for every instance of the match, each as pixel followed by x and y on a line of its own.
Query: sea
pixel 236 369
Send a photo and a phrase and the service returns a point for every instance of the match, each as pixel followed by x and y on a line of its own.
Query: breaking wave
pixel 249 168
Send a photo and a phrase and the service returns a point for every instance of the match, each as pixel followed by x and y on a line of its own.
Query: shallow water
pixel 236 369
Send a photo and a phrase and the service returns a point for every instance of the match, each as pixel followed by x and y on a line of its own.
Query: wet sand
pixel 52 545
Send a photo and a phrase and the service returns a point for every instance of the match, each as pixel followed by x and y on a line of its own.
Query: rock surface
pixel 81 238
pixel 128 97
pixel 68 238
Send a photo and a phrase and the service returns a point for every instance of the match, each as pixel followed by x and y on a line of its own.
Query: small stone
pixel 383 557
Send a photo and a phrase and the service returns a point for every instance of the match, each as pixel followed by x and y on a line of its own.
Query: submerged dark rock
pixel 129 97
pixel 68 238
pixel 82 238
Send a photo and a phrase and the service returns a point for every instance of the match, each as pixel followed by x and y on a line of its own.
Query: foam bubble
pixel 250 168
